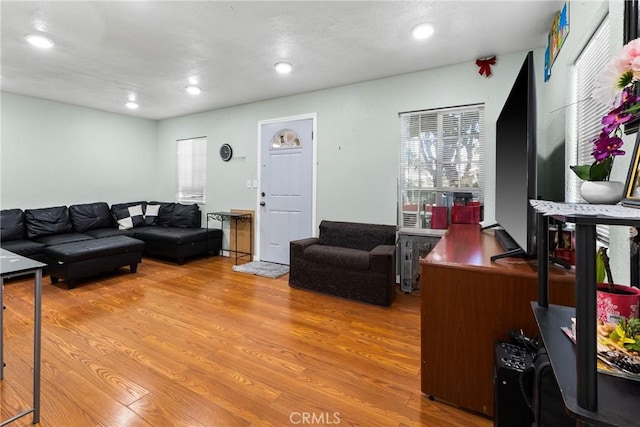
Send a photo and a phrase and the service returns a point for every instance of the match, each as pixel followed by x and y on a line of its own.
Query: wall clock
pixel 226 152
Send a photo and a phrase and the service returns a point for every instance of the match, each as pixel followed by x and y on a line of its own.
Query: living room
pixel 57 153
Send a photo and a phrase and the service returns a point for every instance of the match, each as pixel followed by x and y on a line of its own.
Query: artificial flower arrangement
pixel 616 81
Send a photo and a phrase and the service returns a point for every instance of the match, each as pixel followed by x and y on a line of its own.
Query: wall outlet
pixel 255 183
pixel 249 183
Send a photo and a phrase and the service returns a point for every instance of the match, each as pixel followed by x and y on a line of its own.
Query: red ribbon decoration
pixel 485 65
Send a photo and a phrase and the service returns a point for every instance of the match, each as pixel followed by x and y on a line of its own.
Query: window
pixel 588 112
pixel 192 170
pixel 441 151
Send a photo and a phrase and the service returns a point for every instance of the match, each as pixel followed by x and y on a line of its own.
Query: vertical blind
pixel 441 151
pixel 589 112
pixel 192 170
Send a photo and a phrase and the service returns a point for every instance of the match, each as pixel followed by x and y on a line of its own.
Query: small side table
pixel 15 265
pixel 237 217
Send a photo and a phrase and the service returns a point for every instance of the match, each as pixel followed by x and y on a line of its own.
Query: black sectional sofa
pixel 168 230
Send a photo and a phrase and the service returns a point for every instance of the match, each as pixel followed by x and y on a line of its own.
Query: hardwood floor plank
pixel 201 345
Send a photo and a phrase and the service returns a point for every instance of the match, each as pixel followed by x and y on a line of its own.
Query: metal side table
pixel 15 265
pixel 232 216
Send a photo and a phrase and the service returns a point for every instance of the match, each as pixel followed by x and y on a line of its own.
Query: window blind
pixel 589 112
pixel 192 170
pixel 441 151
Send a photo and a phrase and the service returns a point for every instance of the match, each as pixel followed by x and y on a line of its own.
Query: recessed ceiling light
pixel 283 67
pixel 131 105
pixel 193 90
pixel 40 41
pixel 422 31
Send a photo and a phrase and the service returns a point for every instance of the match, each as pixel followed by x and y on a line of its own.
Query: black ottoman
pixel 77 260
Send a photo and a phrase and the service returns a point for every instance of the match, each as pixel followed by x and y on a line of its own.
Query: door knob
pixel 262 194
pixel 262 203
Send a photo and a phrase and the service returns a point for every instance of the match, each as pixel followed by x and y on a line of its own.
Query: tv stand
pixel 460 371
pixel 514 251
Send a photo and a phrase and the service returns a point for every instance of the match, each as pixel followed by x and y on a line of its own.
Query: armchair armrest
pixel 383 258
pixel 297 247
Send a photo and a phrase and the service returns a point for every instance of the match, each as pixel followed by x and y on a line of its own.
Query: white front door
pixel 287 176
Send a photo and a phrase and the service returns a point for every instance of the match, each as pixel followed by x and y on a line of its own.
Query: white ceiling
pixel 106 50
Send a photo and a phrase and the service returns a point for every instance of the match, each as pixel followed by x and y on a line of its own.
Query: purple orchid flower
pixel 606 146
pixel 615 118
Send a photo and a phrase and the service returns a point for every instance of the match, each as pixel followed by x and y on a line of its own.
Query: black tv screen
pixel 516 178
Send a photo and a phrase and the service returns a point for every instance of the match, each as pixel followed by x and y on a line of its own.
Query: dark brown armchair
pixel 350 260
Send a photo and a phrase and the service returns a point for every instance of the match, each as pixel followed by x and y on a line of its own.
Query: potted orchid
pixel 616 86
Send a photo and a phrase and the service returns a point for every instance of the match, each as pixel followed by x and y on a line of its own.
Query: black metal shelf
pixel 237 217
pixel 593 398
pixel 618 398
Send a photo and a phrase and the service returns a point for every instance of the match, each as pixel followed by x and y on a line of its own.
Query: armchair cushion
pixel 355 235
pixel 337 256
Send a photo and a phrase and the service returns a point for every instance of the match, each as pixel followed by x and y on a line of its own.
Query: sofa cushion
pixel 173 235
pixel 185 216
pixel 12 225
pixel 46 221
pixel 165 212
pixel 151 213
pixel 89 216
pixel 356 235
pixel 129 217
pixel 120 206
pixel 26 248
pixel 338 256
pixel 58 239
pixel 100 233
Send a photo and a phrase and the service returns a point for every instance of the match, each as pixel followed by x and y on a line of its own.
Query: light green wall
pixel 357 138
pixel 555 111
pixel 60 154
pixel 54 153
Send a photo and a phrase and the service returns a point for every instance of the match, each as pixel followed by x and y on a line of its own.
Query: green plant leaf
pixel 583 171
pixel 600 171
pixel 600 272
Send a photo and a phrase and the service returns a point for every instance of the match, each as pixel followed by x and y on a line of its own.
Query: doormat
pixel 262 268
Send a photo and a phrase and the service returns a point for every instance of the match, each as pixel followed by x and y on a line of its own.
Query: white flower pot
pixel 602 192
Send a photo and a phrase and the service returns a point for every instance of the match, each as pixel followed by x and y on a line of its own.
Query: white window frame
pixel 418 187
pixel 192 170
pixel 587 112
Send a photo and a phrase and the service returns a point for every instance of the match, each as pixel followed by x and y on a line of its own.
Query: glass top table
pixel 12 265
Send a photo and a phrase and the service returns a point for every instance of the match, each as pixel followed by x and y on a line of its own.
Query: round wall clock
pixel 226 152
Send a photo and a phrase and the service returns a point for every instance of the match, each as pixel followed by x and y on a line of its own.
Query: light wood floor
pixel 201 345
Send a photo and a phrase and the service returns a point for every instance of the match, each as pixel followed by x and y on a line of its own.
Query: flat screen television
pixel 516 176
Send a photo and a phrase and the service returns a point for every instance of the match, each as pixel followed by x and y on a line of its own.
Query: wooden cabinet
pixel 469 303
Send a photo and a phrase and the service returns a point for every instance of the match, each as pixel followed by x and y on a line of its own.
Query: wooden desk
pixel 469 303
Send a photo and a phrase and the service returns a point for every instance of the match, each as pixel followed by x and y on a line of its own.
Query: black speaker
pixel 510 407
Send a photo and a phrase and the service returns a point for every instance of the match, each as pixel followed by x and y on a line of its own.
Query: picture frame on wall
pixel 631 195
pixel 555 39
